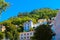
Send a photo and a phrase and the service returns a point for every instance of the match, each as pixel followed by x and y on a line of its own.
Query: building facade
pixel 27 25
pixel 42 21
pixel 26 35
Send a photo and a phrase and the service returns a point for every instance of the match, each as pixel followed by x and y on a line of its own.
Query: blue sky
pixel 27 6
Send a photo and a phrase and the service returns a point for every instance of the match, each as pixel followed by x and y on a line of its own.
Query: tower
pixel 30 23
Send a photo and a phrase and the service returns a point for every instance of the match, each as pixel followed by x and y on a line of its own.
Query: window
pixel 27 33
pixel 27 37
pixel 30 33
pixel 21 34
pixel 21 37
pixel 24 37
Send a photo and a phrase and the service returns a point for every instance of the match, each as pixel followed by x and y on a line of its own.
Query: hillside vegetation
pixel 33 15
pixel 12 32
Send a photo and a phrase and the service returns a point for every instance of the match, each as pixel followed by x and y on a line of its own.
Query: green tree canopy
pixel 3 5
pixel 1 35
pixel 43 32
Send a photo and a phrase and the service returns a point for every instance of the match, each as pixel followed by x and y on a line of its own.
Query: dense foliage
pixel 43 32
pixel 34 16
pixel 1 35
pixel 3 5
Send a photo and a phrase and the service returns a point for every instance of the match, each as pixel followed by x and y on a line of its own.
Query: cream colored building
pixel 2 28
pixel 42 20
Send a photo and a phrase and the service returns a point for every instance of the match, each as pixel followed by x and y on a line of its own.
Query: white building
pixel 40 22
pixel 27 25
pixel 26 35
